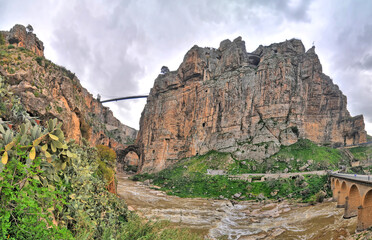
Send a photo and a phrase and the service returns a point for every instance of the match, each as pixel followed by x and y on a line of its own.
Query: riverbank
pixel 179 181
pixel 238 220
pixel 296 172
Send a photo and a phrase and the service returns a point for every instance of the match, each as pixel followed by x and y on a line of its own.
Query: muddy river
pixel 220 219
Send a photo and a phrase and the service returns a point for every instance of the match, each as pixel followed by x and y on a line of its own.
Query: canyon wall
pixel 46 90
pixel 249 104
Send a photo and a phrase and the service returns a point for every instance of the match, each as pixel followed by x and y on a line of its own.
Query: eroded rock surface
pixel 21 38
pixel 249 104
pixel 47 91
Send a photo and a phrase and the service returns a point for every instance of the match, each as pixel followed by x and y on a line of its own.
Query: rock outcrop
pixel 248 104
pixel 20 37
pixel 47 91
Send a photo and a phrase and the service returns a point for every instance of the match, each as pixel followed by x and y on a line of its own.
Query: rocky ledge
pixel 249 104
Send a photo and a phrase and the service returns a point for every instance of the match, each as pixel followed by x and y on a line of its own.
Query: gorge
pixel 224 110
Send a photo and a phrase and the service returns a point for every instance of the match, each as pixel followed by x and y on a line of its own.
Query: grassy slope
pixel 188 177
pixel 293 158
pixel 362 153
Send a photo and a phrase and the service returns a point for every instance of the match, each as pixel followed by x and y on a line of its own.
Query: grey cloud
pixel 297 12
pixel 366 36
pixel 97 48
pixel 111 45
pixel 367 62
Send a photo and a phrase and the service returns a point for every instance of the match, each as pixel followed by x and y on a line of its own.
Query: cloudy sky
pixel 117 47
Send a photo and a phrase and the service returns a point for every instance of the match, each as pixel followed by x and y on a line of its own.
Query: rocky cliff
pixel 44 90
pixel 20 37
pixel 249 104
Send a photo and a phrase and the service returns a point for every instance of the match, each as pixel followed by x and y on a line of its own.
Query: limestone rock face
pixel 47 90
pixel 248 104
pixel 21 38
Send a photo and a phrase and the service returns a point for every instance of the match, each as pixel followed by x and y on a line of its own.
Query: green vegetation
pixel 39 60
pixel 362 153
pixel 36 93
pixel 106 162
pixel 27 205
pixel 2 40
pixel 369 138
pixel 85 129
pixel 10 70
pixel 177 181
pixel 304 155
pixel 11 46
pixel 305 150
pixel 212 160
pixel 188 177
pixel 53 189
pixel 59 109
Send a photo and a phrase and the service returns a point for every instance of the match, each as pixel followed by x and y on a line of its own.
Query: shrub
pixel 36 93
pixel 11 70
pixel 27 205
pixel 59 109
pixel 2 40
pixel 106 162
pixel 11 47
pixel 85 129
pixel 39 60
pixel 32 192
pixel 106 154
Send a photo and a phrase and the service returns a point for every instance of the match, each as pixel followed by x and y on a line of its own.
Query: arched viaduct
pixel 354 193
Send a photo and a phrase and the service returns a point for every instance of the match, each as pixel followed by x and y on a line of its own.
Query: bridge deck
pixel 354 177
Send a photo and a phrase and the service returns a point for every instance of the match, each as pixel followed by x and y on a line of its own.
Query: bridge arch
pixel 353 201
pixel 364 212
pixel 131 148
pixel 342 195
pixel 358 199
pixel 367 201
pixel 337 185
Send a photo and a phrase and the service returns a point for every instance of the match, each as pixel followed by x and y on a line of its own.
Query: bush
pixel 28 204
pixel 57 180
pixel 39 60
pixel 106 163
pixel 11 46
pixel 106 155
pixel 85 129
pixel 2 40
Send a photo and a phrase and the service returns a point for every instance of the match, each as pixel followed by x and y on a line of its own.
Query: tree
pixel 164 70
pixel 29 28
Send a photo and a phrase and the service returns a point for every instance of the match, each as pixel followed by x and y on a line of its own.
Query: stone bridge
pixel 354 193
pixel 131 148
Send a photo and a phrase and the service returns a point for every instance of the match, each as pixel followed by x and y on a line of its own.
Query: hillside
pixel 34 86
pixel 209 175
pixel 247 104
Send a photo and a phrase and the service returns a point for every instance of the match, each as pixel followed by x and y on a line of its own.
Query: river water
pixel 221 219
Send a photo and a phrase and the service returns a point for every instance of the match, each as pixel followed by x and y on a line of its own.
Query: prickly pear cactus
pixel 47 143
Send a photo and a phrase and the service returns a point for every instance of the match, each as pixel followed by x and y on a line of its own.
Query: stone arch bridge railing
pixel 354 193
